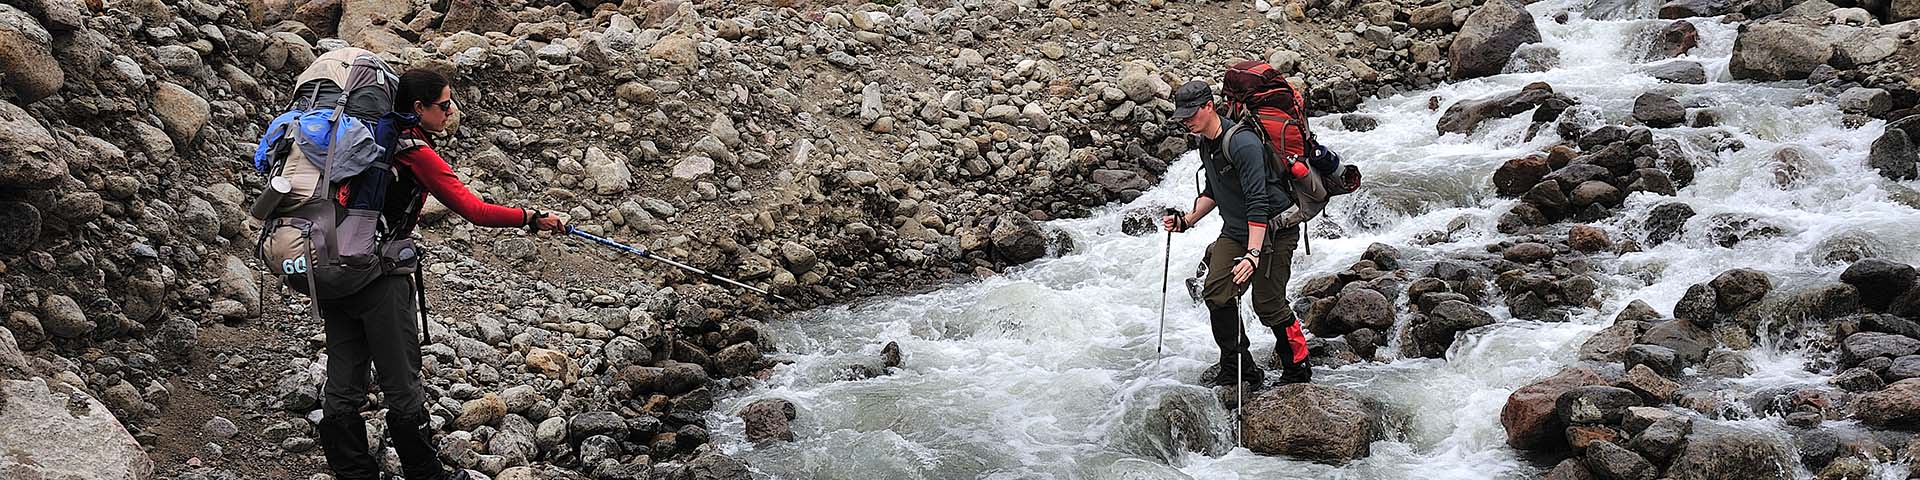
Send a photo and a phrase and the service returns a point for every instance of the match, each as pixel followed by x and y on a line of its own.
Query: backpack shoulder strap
pixel 408 142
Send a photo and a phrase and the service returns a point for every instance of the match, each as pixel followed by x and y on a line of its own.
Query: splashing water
pixel 1050 371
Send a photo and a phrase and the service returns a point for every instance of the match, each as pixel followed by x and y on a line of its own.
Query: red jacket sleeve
pixel 434 173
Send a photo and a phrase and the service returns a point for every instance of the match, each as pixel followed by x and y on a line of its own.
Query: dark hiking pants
pixel 376 328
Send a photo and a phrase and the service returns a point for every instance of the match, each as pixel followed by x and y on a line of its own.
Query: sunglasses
pixel 445 106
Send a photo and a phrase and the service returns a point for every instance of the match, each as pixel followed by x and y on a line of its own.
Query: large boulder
pixel 1018 239
pixel 1678 71
pixel 1528 415
pixel 321 16
pixel 1879 281
pixel 1595 192
pixel 1825 301
pixel 1698 305
pixel 181 112
pixel 1613 462
pixel 1610 344
pixel 1312 422
pixel 1466 115
pixel 1652 386
pixel 365 21
pixel 610 175
pixel 1897 406
pixel 1658 111
pixel 27 64
pixel 1902 10
pixel 1594 405
pixel 1689 342
pixel 714 466
pixel 1740 287
pixel 1662 434
pixel 1676 9
pixel 1717 452
pixel 1857 47
pixel 62 317
pixel 1549 199
pixel 480 411
pixel 1359 308
pixel 1862 346
pixel 1781 50
pixel 57 432
pixel 1673 40
pixel 34 159
pixel 1890 324
pixel 768 420
pixel 1821 446
pixel 1667 221
pixel 1517 176
pixel 1488 39
pixel 19 226
pixel 1894 156
pixel 477 16
pixel 1449 318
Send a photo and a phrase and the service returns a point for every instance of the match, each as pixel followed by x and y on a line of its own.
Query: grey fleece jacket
pixel 1240 186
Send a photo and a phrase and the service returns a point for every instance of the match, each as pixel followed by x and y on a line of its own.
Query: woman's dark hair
pixel 418 85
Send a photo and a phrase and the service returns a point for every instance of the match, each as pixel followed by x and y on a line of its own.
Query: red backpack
pixel 1259 95
pixel 1257 92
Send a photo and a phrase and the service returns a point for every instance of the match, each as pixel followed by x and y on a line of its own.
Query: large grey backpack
pixel 329 163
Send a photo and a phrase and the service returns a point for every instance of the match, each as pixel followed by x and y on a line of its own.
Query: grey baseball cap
pixel 1190 97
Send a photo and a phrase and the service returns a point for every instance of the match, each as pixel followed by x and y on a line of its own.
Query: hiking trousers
pixel 373 335
pixel 1269 286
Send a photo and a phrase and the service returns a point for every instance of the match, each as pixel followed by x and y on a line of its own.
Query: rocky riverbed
pixel 828 152
pixel 844 154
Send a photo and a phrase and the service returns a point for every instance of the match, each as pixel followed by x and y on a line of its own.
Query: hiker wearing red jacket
pixel 374 327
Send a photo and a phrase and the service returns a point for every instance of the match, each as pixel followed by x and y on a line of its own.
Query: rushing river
pixel 1050 370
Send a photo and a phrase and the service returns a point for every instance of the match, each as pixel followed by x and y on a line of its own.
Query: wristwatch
pixel 1253 254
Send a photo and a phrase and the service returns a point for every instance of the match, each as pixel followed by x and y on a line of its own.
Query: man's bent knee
pixel 1274 316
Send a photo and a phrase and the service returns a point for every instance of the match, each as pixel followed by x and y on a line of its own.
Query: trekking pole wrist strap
pixel 533 218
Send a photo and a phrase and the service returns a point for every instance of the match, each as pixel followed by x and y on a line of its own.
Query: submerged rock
pixel 1466 115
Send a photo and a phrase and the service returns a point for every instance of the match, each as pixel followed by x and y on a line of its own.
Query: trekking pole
pixel 1166 265
pixel 643 253
pixel 1240 381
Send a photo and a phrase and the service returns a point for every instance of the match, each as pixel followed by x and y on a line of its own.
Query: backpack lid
pixel 365 81
pixel 333 66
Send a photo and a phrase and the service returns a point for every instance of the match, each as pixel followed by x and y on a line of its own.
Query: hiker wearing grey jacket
pixel 1251 253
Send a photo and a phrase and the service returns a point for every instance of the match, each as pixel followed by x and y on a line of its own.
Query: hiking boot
pixel 1298 373
pixel 1217 376
pixel 1251 373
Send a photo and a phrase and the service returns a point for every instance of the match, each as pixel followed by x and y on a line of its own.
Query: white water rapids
pixel 1049 371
